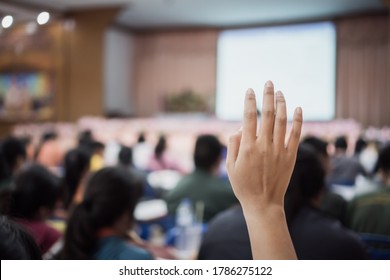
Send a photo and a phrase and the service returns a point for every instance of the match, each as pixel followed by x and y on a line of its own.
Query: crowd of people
pixel 281 199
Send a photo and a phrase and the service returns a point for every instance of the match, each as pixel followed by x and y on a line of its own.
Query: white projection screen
pixel 299 59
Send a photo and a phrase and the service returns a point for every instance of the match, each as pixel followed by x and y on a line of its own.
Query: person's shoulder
pixel 367 198
pixel 135 253
pixel 115 248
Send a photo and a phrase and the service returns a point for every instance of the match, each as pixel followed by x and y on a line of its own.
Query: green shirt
pixel 216 194
pixel 370 213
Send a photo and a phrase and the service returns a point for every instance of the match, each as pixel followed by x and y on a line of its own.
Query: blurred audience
pixel 98 227
pixel 142 152
pixel 32 201
pixel 97 157
pixel 314 234
pixel 370 213
pixel 344 169
pixel 13 154
pixel 76 169
pixel 49 152
pixel 16 243
pixel 161 159
pixel 203 184
pixel 330 203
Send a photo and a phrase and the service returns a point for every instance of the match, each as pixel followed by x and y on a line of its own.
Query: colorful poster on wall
pixel 26 95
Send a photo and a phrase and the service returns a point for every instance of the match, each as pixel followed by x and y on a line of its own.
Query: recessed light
pixel 7 21
pixel 43 18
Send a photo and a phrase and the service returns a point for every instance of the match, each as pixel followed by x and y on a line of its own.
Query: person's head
pixel 141 138
pixel 360 145
pixel 383 163
pixel 29 146
pixel 110 198
pixel 160 147
pixel 4 169
pixel 49 135
pixel 321 148
pixel 125 156
pixel 341 144
pixel 85 137
pixel 207 153
pixel 85 141
pixel 16 243
pixel 98 147
pixel 306 183
pixel 14 153
pixel 76 165
pixel 35 194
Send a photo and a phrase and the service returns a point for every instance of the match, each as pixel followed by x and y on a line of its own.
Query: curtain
pixel 362 90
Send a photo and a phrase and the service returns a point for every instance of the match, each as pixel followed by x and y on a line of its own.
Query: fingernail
pixel 299 110
pixel 269 84
pixel 279 94
pixel 250 92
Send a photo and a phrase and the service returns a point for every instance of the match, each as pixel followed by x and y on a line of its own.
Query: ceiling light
pixel 43 18
pixel 7 21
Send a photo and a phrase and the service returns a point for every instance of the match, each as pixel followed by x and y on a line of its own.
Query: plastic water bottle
pixel 184 226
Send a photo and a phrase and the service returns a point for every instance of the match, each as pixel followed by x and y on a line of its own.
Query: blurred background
pixel 135 82
pixel 84 62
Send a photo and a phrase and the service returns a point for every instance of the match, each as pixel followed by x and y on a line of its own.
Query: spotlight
pixel 7 21
pixel 43 18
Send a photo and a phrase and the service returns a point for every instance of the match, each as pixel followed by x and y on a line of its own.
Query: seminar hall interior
pixel 115 117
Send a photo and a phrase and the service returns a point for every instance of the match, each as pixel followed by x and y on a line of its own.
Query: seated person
pixel 16 243
pixel 344 169
pixel 314 235
pixel 203 184
pixel 330 203
pixel 13 157
pixel 32 202
pixel 76 170
pixel 125 160
pixel 98 227
pixel 161 159
pixel 370 213
pixel 49 152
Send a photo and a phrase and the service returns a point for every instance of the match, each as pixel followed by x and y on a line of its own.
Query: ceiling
pixel 218 13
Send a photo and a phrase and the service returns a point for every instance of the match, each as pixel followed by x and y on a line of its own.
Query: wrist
pixel 264 212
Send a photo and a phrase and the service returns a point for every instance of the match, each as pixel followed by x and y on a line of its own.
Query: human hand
pixel 259 169
pixel 260 166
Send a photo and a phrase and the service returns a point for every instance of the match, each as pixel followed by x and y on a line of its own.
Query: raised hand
pixel 260 166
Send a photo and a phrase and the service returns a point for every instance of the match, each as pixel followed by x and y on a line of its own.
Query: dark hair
pixel 5 172
pixel 47 136
pixel 208 151
pixel 360 145
pixel 160 147
pixel 317 144
pixel 341 143
pixel 16 243
pixel 35 187
pixel 125 156
pixel 110 193
pixel 13 148
pixel 86 140
pixel 383 162
pixel 76 164
pixel 307 181
pixel 96 146
pixel 141 137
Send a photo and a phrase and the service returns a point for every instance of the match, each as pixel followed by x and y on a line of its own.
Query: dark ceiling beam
pixel 30 7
